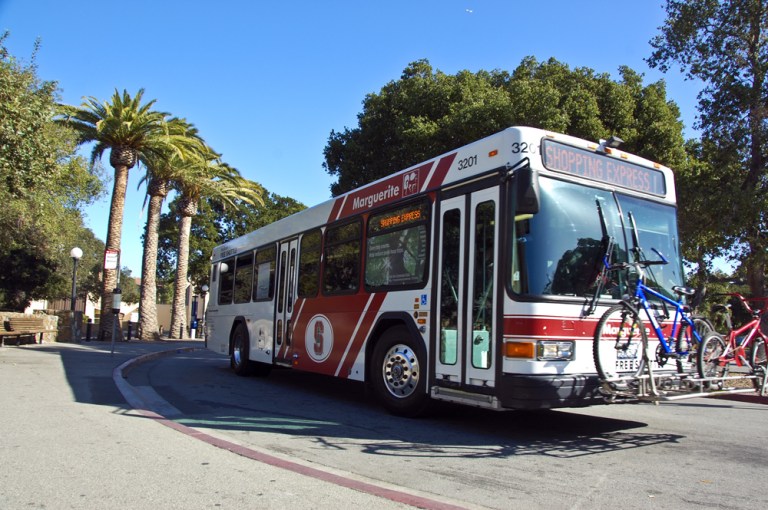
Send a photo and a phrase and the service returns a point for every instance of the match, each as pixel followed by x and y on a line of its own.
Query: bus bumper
pixel 548 391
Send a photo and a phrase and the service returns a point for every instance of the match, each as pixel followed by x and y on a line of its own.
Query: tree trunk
pixel 148 328
pixel 188 208
pixel 755 268
pixel 114 234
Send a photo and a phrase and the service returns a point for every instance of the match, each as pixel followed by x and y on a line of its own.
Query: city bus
pixel 472 278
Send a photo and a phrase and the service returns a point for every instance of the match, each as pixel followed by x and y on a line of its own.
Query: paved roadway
pixel 313 442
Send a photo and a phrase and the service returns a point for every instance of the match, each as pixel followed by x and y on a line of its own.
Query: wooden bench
pixel 24 326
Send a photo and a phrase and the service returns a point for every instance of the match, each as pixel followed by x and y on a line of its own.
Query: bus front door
pixel 286 295
pixel 467 268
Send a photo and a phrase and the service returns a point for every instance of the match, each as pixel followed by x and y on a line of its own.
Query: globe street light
pixel 76 254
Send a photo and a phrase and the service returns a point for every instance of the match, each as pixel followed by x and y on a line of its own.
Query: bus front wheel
pixel 398 372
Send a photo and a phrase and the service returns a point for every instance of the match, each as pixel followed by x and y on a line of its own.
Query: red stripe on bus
pixel 386 191
pixel 440 172
pixel 552 327
pixel 367 320
pixel 335 209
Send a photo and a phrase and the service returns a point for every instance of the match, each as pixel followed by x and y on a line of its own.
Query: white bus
pixel 468 278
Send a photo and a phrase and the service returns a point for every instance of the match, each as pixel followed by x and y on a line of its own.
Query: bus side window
pixel 309 264
pixel 227 281
pixel 243 278
pixel 264 274
pixel 341 273
pixel 396 250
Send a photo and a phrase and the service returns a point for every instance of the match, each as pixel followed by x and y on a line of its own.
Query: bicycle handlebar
pixel 746 300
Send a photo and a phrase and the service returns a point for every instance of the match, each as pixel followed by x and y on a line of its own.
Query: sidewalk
pixel 71 441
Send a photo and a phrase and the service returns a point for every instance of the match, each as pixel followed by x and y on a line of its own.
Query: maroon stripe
pixel 362 332
pixel 440 172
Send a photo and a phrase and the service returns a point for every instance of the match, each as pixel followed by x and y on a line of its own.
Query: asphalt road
pixel 315 442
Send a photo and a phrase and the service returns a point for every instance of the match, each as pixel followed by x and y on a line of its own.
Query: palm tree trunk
pixel 148 328
pixel 188 208
pixel 114 234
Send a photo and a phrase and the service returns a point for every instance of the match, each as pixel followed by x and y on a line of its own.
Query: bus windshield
pixel 559 251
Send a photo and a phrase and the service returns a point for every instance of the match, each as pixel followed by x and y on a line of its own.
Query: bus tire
pixel 238 360
pixel 398 372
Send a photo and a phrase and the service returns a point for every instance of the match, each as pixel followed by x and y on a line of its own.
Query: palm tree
pixel 160 172
pixel 132 131
pixel 206 177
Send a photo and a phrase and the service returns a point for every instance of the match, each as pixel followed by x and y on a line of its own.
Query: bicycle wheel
pixel 703 327
pixel 619 346
pixel 687 343
pixel 759 362
pixel 709 360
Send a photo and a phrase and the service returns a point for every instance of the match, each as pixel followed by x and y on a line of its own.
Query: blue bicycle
pixel 620 344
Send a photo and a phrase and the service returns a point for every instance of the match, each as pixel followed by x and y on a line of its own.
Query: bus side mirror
pixel 527 185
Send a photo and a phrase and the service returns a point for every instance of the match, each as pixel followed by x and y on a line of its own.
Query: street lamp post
pixel 76 254
pixel 193 318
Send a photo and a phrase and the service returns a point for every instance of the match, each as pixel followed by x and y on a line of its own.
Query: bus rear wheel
pixel 239 361
pixel 396 369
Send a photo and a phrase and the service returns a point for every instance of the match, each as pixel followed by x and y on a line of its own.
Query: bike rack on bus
pixel 666 387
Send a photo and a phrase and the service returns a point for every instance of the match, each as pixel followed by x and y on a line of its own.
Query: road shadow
pixel 88 366
pixel 335 414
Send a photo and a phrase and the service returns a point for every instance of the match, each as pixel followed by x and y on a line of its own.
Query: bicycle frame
pixel 681 318
pixel 735 350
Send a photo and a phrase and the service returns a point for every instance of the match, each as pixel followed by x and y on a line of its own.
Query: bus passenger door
pixel 482 273
pixel 450 268
pixel 286 296
pixel 466 297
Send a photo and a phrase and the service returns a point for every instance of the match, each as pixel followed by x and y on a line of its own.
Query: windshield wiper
pixel 607 252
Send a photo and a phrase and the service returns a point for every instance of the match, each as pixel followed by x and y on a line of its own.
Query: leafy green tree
pixel 132 131
pixel 43 186
pixel 723 43
pixel 129 289
pixel 426 113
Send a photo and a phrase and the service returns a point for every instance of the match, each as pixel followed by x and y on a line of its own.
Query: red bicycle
pixel 744 347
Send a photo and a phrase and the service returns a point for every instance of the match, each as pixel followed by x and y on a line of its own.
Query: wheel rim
pixel 237 352
pixel 401 371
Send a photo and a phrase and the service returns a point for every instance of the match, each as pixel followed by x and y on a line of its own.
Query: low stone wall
pixel 65 325
pixel 51 322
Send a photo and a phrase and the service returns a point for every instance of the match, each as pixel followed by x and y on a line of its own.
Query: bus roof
pixel 564 155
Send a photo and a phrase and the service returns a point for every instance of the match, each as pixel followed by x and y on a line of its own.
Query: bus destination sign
pixel 597 167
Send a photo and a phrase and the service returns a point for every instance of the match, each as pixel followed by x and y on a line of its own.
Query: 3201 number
pixel 523 147
pixel 467 162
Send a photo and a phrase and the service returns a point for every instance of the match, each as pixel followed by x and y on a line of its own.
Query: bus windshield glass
pixel 559 251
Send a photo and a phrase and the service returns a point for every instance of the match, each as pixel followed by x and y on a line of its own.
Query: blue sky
pixel 266 82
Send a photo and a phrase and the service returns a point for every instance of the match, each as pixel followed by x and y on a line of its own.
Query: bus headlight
pixel 551 350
